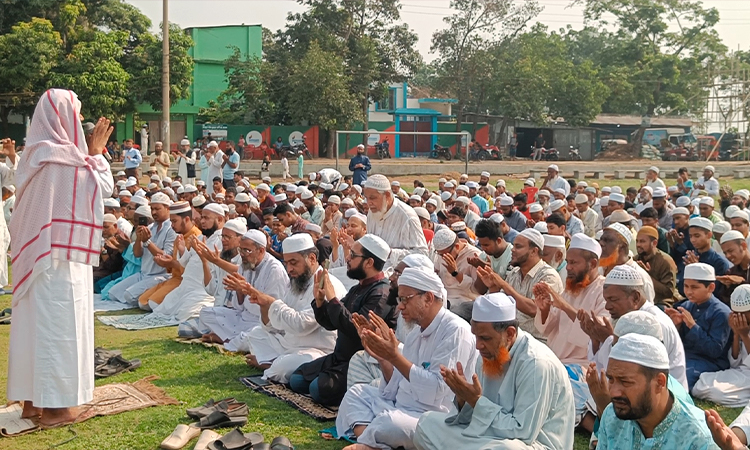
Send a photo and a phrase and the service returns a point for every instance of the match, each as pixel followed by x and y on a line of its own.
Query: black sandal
pixel 220 419
pixel 237 440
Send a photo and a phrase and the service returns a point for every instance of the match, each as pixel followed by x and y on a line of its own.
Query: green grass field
pixel 192 374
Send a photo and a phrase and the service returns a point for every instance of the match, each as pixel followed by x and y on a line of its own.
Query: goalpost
pixel 398 133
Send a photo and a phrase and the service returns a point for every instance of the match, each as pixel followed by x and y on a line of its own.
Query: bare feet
pixel 252 361
pixel 359 447
pixel 30 411
pixel 57 417
pixel 722 434
pixel 212 338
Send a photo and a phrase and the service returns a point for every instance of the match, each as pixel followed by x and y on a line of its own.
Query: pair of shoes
pixel 232 407
pixel 237 440
pixel 279 443
pixel 221 419
pixel 110 362
pixel 179 438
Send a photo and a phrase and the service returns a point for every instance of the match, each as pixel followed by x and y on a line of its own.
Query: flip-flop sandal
pixel 179 438
pixel 263 446
pixel 191 412
pixel 206 438
pixel 115 366
pixel 237 440
pixel 5 316
pixel 281 443
pixel 220 419
pixel 102 356
pixel 235 409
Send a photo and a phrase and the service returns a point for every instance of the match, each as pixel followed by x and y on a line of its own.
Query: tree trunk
pixel 637 144
pixel 459 122
pixel 4 113
pixel 330 145
pixel 366 119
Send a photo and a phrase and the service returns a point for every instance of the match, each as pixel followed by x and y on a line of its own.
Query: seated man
pixel 150 242
pixel 325 378
pixel 703 323
pixel 659 265
pixel 289 334
pixel 453 267
pixel 125 246
pixel 643 410
pixel 111 261
pixel 496 251
pixel 387 416
pixel 230 322
pixel 519 397
pixel 615 242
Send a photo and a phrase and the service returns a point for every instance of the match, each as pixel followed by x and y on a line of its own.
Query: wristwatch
pixel 454 274
pixel 147 243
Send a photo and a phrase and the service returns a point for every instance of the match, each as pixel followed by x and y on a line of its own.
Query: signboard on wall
pixel 296 138
pixel 254 138
pixel 373 138
pixel 218 131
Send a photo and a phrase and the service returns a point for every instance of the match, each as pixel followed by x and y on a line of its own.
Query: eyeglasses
pixel 403 300
pixel 247 251
pixel 353 255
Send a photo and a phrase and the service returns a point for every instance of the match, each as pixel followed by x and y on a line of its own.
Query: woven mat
pixel 108 400
pixel 303 403
pixel 139 321
pixel 197 341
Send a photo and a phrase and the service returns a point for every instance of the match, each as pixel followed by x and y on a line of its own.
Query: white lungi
pixel 270 348
pixel 51 356
pixel 433 434
pixel 131 288
pixel 227 323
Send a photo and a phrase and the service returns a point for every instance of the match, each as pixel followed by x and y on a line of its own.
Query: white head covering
pixel 553 167
pixel 111 203
pixel 278 198
pixel 423 279
pixel 541 227
pixel 554 241
pixel 443 239
pixel 214 208
pixel 496 307
pixel 616 190
pixel 110 218
pixel 623 275
pixel 144 211
pixel 646 351
pixel 314 227
pixel 740 298
pixel 256 236
pixel 556 205
pixel 744 193
pixel 485 174
pixel 419 191
pixel 376 246
pixel 682 201
pixel 583 242
pixel 711 168
pixel 263 187
pixel 604 201
pixel 378 182
pixel 543 193
pixel 616 197
pixel 560 191
pixel 639 322
pixel 138 200
pixel 700 272
pixel 581 198
pixel 161 198
pixel 238 226
pixel 701 222
pixel 445 196
pixel 297 243
pixel 535 208
pixel 307 194
pixel 418 260
pixel 680 210
pixel 707 201
pixel 422 213
pixel 732 235
pixel 179 207
pixel 739 214
pixel 622 230
pixel 198 200
pixel 500 183
pixel 534 236
pixel 721 227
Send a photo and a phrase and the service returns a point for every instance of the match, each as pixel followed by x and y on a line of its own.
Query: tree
pixel 334 106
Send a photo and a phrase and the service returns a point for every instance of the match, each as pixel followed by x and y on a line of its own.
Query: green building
pixel 212 46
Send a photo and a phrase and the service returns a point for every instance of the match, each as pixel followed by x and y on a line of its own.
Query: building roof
pixel 626 120
pixel 416 112
pixel 437 100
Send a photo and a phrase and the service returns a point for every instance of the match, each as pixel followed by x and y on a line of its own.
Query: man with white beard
pixel 289 335
pixel 393 221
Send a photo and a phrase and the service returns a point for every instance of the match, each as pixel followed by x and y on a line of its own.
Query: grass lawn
pixel 193 374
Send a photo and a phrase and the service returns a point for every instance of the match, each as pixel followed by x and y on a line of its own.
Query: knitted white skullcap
pixel 535 208
pixel 701 222
pixel 700 272
pixel 581 198
pixel 161 198
pixel 422 213
pixel 533 236
pixel 554 241
pixel 622 230
pixel 496 307
pixel 721 227
pixel 214 208
pixel 238 226
pixel 443 239
pixel 541 227
pixel 646 351
pixel 506 201
pixel 378 182
pixel 375 245
pixel 740 299
pixel 707 201
pixel 297 243
pixel 732 235
pixel 110 218
pixel 556 205
pixel 739 214
pixel 639 322
pixel 624 275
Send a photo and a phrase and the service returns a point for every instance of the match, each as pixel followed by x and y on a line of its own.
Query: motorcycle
pixel 546 154
pixel 490 152
pixel 574 154
pixel 293 151
pixel 440 152
pixel 383 149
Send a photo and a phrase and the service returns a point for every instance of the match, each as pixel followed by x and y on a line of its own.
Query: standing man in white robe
pixel 393 221
pixel 289 335
pixel 186 162
pixel 230 323
pixel 51 355
pixel 7 171
pixel 215 158
pixel 386 417
pixel 519 397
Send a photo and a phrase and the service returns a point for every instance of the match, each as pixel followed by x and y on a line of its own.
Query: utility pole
pixel 165 77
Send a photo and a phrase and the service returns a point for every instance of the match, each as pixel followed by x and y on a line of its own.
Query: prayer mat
pixel 109 305
pixel 109 399
pixel 219 348
pixel 139 321
pixel 302 403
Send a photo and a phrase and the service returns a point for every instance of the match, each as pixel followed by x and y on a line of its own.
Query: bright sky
pixel 423 16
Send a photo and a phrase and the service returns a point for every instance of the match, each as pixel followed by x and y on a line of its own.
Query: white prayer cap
pixel 462 188
pixel 696 202
pixel 541 227
pixel 464 200
pixel 458 226
pixel 659 193
pixel 110 218
pixel 617 189
pixel 607 189
pixel 472 184
pixel 220 195
pixel 158 143
pixel 347 202
pixel 312 176
pixel 672 189
pixel 256 236
pixel 581 198
pixel 415 198
pixel 711 168
pixel 266 180
pixel 241 198
pixel 307 194
pixel 161 198
pixel 326 186
pixel 506 201
pixel 701 222
pixel 144 211
pixel 639 322
pixel 582 242
pixel 342 187
pixel 180 190
pixel 535 208
pixel 423 279
pixel 598 235
pixel 378 182
pixel 141 193
pixel 297 243
pixel 432 202
pixel 740 299
pixel 199 200
pixel 120 173
pixel 350 212
pixel 263 187
pixel 190 188
pixel 418 260
pixel 151 186
pixel 744 193
pixel 396 183
pixel 582 184
pixel 721 227
pixel 590 189
pixel 500 183
pixel 292 187
pixel 138 200
pixel 239 189
pixel 732 235
pixel 731 209
pixel 422 213
pixel 214 208
pixel 445 196
pixel 529 181
pixel 213 144
pixel 700 272
pixel 231 209
pixel 418 191
pixel 178 207
pixel 495 307
pixel 555 205
pixel 463 175
pixel 617 197
pixel 238 226
pixel 166 180
pixel 620 216
pixel 553 167
pixel 442 180
pixel 200 183
pixel 680 210
pixel 278 198
pixel 485 174
pixel 315 228
pixel 560 191
pixel 554 241
pixel 375 245
pixel 443 239
pixel 120 184
pixel 682 201
pixel 534 236
pixel 131 182
pixel 334 200
pixel 707 201
pixel 111 203
pixel 497 218
pixel 646 351
pixel 624 275
pixel 184 142
pixel 543 192
pixel 622 230
pixel 654 168
pixel 155 177
pixel 359 216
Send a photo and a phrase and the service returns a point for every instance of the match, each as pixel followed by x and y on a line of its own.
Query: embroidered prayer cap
pixel 375 245
pixel 590 189
pixel 732 235
pixel 155 177
pixel 701 222
pixel 616 197
pixel 443 239
pixel 534 236
pixel 449 184
pixel 180 190
pixel 238 226
pixel 494 307
pixel 359 216
pixel 582 184
pixel 649 231
pixel 220 195
pixel 378 182
pixel 279 198
pixel 622 230
pixel 422 213
pixel 646 351
pixel 582 242
pixel 144 211
pixel 721 227
pixel 553 167
pixel 199 200
pixel 315 228
pixel 744 193
pixel 161 198
pixel 535 208
pixel 297 243
pixel 423 278
pixel 554 241
pixel 334 200
pixel 707 201
pixel 111 203
pixel 458 226
pixel 739 214
pixel 660 193
pixel 541 227
pixel 485 174
pixel 581 199
pixel 418 260
pixel 242 198
pixel 699 272
pixel 624 275
pixel 740 299
pixel 639 322
pixel 176 184
pixel 544 193
pixel 731 209
pixel 556 205
pixel 506 201
pixel 263 187
pixel 214 208
pixel 179 207
pixel 680 210
pixel 130 183
pixel 654 169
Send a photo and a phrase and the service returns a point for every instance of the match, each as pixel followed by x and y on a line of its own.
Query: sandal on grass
pixel 179 438
pixel 116 365
pixel 235 409
pixel 281 443
pixel 5 316
pixel 237 440
pixel 220 419
pixel 206 438
pixel 193 412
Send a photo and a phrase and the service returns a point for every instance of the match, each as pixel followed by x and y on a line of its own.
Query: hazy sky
pixel 423 16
